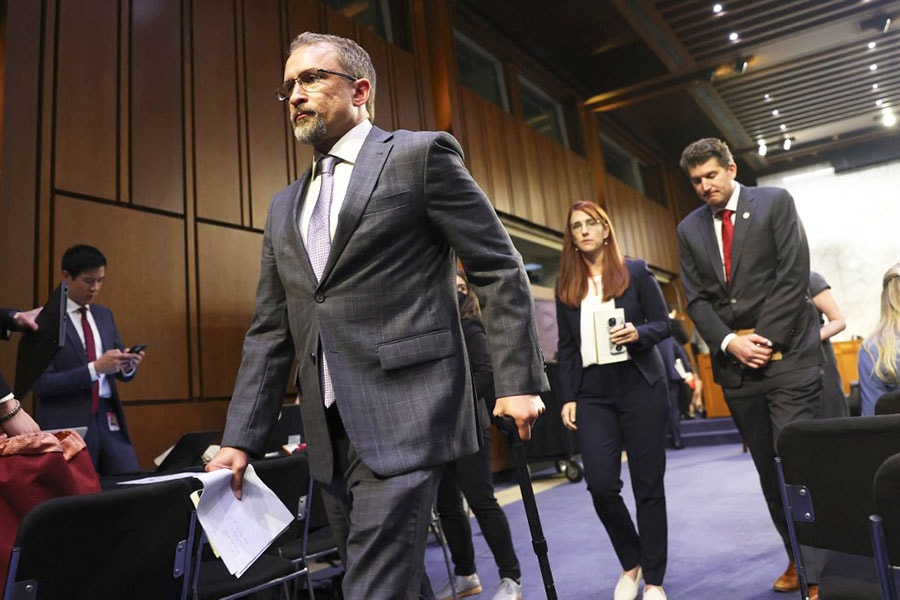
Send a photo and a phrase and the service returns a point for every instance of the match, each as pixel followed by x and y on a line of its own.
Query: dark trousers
pixel 619 409
pixel 673 390
pixel 380 524
pixel 761 407
pixel 111 451
pixel 472 475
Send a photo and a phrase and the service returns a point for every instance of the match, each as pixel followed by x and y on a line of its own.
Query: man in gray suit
pixel 386 391
pixel 752 308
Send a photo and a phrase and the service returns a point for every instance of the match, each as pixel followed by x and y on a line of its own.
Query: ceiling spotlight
pixel 767 97
pixel 873 67
pixel 775 113
pixel 874 86
pixel 733 36
pixel 872 45
pixel 879 102
pixel 783 127
pixel 888 118
pixel 740 65
pixel 718 8
pixel 787 143
pixel 762 148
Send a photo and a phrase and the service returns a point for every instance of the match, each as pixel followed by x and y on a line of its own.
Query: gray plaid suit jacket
pixel 385 312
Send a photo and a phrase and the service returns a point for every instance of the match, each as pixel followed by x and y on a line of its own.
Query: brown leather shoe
pixel 787 581
pixel 813 592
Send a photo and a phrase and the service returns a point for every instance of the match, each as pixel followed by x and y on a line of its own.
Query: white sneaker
pixel 466 585
pixel 627 588
pixel 508 590
pixel 654 593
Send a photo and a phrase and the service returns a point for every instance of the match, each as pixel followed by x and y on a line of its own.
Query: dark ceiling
pixel 667 72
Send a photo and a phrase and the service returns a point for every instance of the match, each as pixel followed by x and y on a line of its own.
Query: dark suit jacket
pixel 6 325
pixel 386 312
pixel 644 307
pixel 670 349
pixel 769 281
pixel 63 392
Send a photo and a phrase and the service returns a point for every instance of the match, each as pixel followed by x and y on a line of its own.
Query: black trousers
pixel 472 475
pixel 619 409
pixel 761 407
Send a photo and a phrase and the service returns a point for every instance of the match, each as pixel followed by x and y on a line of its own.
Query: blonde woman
pixel 879 358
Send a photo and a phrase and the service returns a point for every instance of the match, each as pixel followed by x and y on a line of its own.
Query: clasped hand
pixel 115 361
pixel 752 350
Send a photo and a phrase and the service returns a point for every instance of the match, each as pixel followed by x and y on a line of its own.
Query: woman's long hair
pixel 470 308
pixel 884 339
pixel 572 286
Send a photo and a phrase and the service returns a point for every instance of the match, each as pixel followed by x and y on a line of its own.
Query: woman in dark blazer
pixel 614 389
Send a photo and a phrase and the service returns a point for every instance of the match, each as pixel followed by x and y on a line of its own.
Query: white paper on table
pixel 240 530
pixel 605 354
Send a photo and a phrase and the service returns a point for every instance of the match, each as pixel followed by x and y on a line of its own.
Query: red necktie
pixel 92 356
pixel 727 236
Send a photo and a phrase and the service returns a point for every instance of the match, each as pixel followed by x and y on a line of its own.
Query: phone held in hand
pixel 137 348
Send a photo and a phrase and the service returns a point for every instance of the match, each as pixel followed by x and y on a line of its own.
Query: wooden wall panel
pixel 409 104
pixel 474 143
pixel 519 203
pixel 156 110
pixel 227 274
pixel 145 286
pixel 86 98
pixel 217 168
pixel 492 118
pixel 268 129
pixel 378 51
pixel 535 209
pixel 156 427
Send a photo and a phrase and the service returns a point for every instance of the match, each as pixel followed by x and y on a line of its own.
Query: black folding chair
pixel 885 526
pixel 288 478
pixel 826 470
pixel 133 542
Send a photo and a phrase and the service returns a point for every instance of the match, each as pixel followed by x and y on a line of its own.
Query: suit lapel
pixel 743 220
pixel 366 171
pixel 296 194
pixel 707 233
pixel 74 341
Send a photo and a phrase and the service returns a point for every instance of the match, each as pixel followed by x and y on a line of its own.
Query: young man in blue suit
pixel 752 307
pixel 358 281
pixel 79 387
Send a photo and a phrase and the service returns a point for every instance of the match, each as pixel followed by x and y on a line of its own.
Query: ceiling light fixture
pixel 740 65
pixel 872 45
pixel 879 23
pixel 783 127
pixel 775 113
pixel 718 8
pixel 787 143
pixel 888 118
pixel 733 36
pixel 762 148
pixel 873 67
pixel 874 86
pixel 879 102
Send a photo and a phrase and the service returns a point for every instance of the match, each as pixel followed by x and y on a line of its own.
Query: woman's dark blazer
pixel 644 306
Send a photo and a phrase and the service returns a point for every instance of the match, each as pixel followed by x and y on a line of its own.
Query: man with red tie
pixel 79 387
pixel 745 271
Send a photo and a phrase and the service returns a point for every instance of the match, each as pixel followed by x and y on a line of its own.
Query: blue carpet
pixel 722 543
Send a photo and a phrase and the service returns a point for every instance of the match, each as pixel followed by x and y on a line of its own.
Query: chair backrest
pixel 888 404
pixel 887 504
pixel 829 467
pixel 133 542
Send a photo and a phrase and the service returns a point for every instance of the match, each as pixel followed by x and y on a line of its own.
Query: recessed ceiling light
pixel 879 102
pixel 775 113
pixel 717 8
pixel 767 97
pixel 872 45
pixel 787 144
pixel 733 36
pixel 762 148
pixel 783 127
pixel 873 67
pixel 874 86
pixel 888 118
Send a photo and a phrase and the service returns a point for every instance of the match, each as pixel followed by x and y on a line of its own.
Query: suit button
pixel 320 298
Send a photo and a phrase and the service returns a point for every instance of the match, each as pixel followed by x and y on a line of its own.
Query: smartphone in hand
pixel 136 348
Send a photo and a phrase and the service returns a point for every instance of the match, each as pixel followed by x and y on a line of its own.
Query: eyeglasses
pixel 310 81
pixel 587 224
